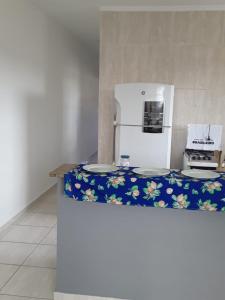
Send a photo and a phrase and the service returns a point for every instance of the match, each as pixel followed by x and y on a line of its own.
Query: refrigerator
pixel 143 123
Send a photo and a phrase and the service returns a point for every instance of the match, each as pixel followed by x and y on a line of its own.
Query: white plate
pixel 151 172
pixel 200 174
pixel 100 168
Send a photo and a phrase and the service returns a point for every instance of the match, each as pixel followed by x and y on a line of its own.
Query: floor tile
pixel 6 271
pixel 43 207
pixel 25 234
pixel 37 220
pixel 43 256
pixel 14 253
pixel 3 231
pixel 50 196
pixel 51 238
pixel 32 282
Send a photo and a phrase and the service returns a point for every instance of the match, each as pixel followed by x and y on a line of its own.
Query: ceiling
pixel 82 16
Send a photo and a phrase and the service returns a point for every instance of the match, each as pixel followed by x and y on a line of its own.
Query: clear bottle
pixel 124 160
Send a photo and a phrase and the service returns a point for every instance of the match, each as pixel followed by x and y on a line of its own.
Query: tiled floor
pixel 28 252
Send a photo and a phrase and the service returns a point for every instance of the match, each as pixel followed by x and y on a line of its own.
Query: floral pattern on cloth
pixel 124 187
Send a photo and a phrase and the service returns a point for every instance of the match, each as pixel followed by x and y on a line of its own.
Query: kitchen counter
pixel 62 170
pixel 138 253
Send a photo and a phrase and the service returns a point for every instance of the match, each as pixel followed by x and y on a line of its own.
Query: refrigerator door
pixel 137 101
pixel 144 149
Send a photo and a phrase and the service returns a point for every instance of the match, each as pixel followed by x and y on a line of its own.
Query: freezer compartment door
pixel 145 149
pixel 144 102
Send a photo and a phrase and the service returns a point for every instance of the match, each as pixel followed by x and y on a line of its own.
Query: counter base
pixel 139 253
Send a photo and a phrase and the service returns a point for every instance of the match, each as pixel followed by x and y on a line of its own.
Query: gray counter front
pixel 139 253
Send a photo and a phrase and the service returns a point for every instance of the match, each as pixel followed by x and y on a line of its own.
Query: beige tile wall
pixel 186 49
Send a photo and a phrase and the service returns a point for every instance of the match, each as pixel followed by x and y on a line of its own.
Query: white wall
pixel 48 103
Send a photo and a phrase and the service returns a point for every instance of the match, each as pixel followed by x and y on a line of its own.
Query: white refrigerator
pixel 143 125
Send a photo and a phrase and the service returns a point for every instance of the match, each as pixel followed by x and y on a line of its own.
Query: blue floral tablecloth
pixel 124 187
